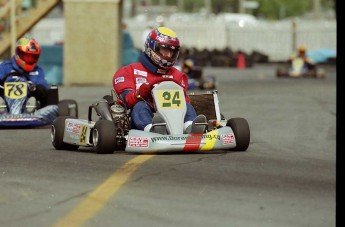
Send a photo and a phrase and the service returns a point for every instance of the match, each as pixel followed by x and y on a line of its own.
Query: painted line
pixel 96 200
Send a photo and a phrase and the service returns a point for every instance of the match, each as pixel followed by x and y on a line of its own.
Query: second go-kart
pixel 20 110
pixel 298 69
pixel 112 130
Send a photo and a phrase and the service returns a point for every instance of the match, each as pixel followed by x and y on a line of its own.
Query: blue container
pixel 51 60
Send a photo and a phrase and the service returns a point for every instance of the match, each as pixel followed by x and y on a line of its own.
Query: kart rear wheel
pixel 104 137
pixel 68 107
pixel 57 133
pixel 240 127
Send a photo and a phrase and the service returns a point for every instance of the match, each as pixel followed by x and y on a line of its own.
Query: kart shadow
pixel 90 151
pixel 24 127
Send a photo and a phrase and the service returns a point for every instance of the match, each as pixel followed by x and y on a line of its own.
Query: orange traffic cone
pixel 241 61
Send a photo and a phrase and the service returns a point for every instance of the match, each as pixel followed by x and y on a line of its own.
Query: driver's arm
pixel 2 73
pixel 184 84
pixel 124 85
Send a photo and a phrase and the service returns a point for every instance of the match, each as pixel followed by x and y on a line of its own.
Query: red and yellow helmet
pixel 27 53
pixel 162 38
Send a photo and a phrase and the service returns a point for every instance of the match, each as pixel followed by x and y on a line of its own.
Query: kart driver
pixel 27 53
pixel 133 83
pixel 302 54
pixel 209 82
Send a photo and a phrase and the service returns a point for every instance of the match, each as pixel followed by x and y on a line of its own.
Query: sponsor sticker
pixel 73 127
pixel 168 76
pixel 161 38
pixel 138 142
pixel 228 138
pixel 140 80
pixel 119 80
pixel 83 135
pixel 139 72
pixel 34 73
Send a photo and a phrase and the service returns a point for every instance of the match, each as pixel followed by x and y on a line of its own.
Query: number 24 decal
pixel 170 99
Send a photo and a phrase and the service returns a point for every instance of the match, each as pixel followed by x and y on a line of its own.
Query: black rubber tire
pixel 104 137
pixel 65 110
pixel 57 133
pixel 240 127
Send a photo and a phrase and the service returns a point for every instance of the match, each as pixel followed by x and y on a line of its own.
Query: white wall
pixel 272 38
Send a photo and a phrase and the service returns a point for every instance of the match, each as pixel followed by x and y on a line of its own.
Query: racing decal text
pixel 138 142
pixel 168 76
pixel 83 135
pixel 228 138
pixel 140 80
pixel 73 127
pixel 191 136
pixel 15 90
pixel 119 80
pixel 139 72
pixel 170 99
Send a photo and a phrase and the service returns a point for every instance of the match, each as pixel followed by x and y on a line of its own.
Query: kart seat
pixel 204 103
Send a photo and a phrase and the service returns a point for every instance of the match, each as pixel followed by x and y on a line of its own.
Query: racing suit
pixel 308 62
pixel 127 80
pixel 39 87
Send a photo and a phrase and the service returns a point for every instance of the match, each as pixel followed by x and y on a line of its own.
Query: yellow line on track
pixel 95 201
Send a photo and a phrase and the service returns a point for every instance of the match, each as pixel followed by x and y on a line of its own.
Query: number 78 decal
pixel 15 90
pixel 170 99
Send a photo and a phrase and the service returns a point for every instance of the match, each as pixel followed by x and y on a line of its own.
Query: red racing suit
pixel 128 79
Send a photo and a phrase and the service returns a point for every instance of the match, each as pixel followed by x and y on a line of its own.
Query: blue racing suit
pixel 37 77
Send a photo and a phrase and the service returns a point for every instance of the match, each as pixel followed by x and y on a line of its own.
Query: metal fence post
pixel 294 35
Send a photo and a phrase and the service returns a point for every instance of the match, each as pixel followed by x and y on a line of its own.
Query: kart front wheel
pixel 240 127
pixel 104 137
pixel 57 133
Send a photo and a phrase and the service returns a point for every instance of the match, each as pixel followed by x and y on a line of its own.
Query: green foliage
pixel 268 9
pixel 278 9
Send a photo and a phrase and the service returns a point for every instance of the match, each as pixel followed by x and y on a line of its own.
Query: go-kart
pixel 298 69
pixel 112 130
pixel 197 79
pixel 18 109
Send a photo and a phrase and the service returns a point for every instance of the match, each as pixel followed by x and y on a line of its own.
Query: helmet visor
pixel 28 58
pixel 167 51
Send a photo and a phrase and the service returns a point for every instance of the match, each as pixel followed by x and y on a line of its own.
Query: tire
pixel 68 107
pixel 240 127
pixel 104 137
pixel 57 133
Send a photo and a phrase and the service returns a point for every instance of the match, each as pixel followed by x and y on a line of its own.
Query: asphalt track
pixel 286 178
